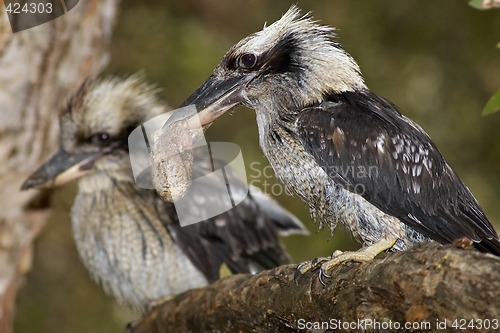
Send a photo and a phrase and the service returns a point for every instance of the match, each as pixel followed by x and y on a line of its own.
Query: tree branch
pixel 39 68
pixel 427 283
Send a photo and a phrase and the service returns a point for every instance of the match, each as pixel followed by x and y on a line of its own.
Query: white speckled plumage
pixel 316 118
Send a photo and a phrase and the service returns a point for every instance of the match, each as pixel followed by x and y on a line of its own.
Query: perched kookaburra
pixel 349 154
pixel 127 237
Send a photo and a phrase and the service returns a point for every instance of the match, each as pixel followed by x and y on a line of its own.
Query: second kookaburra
pixel 349 154
pixel 127 237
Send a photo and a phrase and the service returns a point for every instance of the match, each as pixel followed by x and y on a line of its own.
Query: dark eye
pixel 101 139
pixel 247 61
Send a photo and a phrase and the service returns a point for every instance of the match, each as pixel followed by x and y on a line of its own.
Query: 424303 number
pixel 32 8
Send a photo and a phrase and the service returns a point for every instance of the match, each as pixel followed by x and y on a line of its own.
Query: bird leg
pixel 325 264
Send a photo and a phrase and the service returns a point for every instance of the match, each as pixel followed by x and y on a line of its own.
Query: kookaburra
pixel 127 237
pixel 349 154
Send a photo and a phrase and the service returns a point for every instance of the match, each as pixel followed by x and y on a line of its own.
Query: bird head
pixel 94 130
pixel 286 66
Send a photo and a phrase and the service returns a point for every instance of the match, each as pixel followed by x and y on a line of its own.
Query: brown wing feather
pixel 398 168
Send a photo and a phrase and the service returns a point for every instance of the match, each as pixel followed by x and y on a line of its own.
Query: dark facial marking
pixel 278 59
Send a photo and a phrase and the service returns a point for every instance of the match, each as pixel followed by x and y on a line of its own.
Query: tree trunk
pixel 39 68
pixel 427 287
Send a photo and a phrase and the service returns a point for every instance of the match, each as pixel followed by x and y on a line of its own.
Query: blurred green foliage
pixel 484 4
pixel 493 104
pixel 478 4
pixel 436 60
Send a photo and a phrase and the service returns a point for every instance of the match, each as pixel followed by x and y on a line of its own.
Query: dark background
pixel 437 60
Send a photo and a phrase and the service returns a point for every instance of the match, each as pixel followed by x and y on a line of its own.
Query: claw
pixel 296 276
pixel 307 266
pixel 321 275
pixel 299 266
pixel 298 272
pixel 338 257
pixel 315 261
pixel 301 269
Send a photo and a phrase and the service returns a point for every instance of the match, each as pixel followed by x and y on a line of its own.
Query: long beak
pixel 214 97
pixel 61 168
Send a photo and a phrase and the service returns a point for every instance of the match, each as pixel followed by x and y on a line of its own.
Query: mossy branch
pixel 428 283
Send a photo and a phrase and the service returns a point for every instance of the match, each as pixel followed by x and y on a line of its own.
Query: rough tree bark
pixel 428 283
pixel 38 69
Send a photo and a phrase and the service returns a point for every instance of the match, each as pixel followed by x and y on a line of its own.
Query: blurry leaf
pixel 224 271
pixel 478 4
pixel 493 105
pixel 484 4
pixel 498 46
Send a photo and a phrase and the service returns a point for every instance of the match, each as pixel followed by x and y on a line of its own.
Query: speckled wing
pixel 366 146
pixel 245 238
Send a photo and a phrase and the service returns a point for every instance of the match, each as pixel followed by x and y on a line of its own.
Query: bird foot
pixel 325 264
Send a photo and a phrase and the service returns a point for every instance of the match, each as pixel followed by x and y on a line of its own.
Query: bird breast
pixel 295 168
pixel 124 244
pixel 328 202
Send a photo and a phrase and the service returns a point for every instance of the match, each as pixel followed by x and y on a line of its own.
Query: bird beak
pixel 216 96
pixel 63 167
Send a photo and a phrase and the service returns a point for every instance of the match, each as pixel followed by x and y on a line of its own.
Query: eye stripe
pixel 278 59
